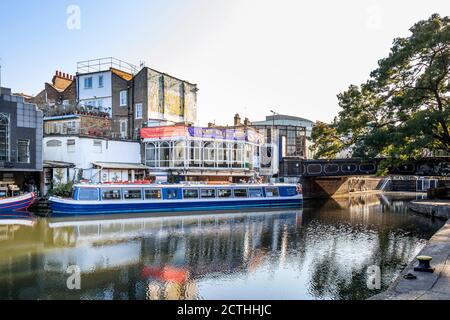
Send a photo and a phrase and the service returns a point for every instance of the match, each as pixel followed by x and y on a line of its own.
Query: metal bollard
pixel 424 264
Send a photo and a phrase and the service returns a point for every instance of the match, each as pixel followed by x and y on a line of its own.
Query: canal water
pixel 320 251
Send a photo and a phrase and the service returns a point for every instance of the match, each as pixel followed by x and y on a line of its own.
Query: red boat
pixel 15 204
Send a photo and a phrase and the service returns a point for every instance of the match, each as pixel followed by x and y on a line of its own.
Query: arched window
pixel 150 155
pixel 165 155
pixel 195 154
pixel 4 137
pixel 209 154
pixel 179 151
pixel 54 143
pixel 222 155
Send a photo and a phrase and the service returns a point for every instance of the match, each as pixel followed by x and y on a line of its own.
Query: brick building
pixel 58 96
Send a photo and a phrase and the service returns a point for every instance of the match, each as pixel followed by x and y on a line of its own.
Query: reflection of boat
pixel 95 199
pixel 164 274
pixel 20 203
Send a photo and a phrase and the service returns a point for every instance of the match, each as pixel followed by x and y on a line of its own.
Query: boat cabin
pixel 177 192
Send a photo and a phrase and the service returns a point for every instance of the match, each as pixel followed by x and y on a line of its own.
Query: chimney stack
pixel 237 120
pixel 246 122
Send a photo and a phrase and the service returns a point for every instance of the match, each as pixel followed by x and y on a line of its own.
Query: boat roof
pixel 180 185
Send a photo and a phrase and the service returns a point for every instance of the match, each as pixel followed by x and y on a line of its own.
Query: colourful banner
pixel 163 132
pixel 202 133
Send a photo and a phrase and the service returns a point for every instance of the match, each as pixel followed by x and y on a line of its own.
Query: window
pixel 224 193
pixel 138 110
pixel 54 143
pixel 66 103
pixel 88 194
pixel 150 155
pixel 100 81
pixel 71 145
pixel 123 98
pixel 97 146
pixel 152 194
pixel 208 193
pixel 123 128
pixel 132 194
pixel 272 192
pixel 172 194
pixel 4 137
pixel 165 155
pixel 255 192
pixel 111 194
pixel 23 151
pixel 88 83
pixel 190 193
pixel 240 193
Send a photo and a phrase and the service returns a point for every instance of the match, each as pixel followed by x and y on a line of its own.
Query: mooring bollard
pixel 424 264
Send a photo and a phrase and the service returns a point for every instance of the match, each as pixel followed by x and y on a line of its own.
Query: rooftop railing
pixel 103 64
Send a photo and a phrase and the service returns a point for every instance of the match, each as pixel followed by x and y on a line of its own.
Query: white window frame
pixel 123 98
pixel 85 81
pixel 138 107
pixel 123 133
pixel 97 146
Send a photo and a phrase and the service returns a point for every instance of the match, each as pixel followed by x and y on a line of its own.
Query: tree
pixel 403 109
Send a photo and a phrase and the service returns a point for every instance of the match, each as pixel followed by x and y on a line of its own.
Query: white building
pixel 71 158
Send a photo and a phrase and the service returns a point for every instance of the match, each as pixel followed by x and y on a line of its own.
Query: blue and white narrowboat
pixel 98 199
pixel 15 204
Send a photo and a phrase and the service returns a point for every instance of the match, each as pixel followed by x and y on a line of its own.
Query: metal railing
pixel 103 64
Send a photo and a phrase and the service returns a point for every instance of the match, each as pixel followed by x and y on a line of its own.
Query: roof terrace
pixel 104 64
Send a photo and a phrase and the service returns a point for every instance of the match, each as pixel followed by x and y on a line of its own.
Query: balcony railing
pixel 104 64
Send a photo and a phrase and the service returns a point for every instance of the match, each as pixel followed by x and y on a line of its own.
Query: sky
pixel 246 56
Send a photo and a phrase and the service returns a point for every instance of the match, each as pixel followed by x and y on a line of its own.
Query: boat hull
pixel 66 207
pixel 17 204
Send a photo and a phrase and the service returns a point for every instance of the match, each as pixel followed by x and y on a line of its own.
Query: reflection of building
pixel 199 154
pixel 20 143
pixel 290 136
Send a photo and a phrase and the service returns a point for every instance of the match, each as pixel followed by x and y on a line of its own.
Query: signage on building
pixel 202 133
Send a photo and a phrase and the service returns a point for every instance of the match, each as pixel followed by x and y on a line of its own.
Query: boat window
pixel 272 192
pixel 172 193
pixel 208 193
pixel 88 194
pixel 240 193
pixel 111 194
pixel 152 193
pixel 224 193
pixel 190 193
pixel 255 192
pixel 132 194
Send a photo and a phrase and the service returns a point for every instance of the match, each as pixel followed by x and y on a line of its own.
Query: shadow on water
pixel 320 251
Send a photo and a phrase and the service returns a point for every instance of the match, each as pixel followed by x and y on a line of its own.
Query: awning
pixel 120 165
pixel 58 164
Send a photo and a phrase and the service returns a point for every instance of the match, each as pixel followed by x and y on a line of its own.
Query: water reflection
pixel 320 252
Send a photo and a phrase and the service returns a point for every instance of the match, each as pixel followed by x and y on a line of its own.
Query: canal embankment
pixel 417 285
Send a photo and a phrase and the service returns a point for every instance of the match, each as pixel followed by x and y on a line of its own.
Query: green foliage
pixel 61 190
pixel 403 110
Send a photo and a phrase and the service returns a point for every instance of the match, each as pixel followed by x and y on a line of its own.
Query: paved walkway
pixel 427 286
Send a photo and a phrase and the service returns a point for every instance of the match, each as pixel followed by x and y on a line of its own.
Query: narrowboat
pixel 98 199
pixel 15 204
